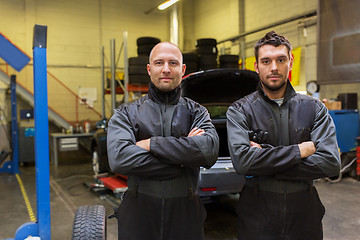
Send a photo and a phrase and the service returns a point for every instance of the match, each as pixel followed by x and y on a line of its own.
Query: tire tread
pixel 89 223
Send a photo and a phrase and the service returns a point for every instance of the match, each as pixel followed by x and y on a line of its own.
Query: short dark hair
pixel 274 39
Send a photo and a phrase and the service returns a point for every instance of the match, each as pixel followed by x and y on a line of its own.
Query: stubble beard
pixel 276 87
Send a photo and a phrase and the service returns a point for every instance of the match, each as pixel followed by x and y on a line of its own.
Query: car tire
pixel 100 164
pixel 207 60
pixel 229 65
pixel 139 61
pixel 192 65
pixel 207 50
pixel 206 42
pixel 89 223
pixel 147 41
pixel 133 69
pixel 228 58
pixel 144 50
pixel 190 57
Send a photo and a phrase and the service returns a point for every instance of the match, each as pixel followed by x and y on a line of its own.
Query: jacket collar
pixel 158 96
pixel 289 92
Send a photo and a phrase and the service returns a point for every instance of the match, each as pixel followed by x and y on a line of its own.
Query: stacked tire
pixel 137 65
pixel 137 70
pixel 229 61
pixel 191 61
pixel 207 53
pixel 145 45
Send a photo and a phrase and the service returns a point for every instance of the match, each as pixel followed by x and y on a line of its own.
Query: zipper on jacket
pixel 163 116
pixel 166 102
pixel 280 127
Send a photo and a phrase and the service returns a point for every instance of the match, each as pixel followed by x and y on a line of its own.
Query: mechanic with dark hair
pixel 281 141
pixel 160 141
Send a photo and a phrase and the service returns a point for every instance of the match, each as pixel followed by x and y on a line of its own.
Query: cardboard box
pixel 333 105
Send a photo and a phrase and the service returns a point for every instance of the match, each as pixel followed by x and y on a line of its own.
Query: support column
pixel 174 25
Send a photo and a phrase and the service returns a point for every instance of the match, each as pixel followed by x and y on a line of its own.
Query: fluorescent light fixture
pixel 167 4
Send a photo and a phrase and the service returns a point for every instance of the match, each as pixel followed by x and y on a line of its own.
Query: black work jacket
pixel 299 118
pixel 167 119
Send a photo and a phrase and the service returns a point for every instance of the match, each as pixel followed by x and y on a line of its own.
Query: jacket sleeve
pixel 127 158
pixel 325 162
pixel 249 160
pixel 193 151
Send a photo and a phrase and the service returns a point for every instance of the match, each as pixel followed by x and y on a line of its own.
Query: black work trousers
pixel 142 217
pixel 266 215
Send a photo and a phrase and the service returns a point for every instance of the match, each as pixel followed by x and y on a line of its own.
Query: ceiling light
pixel 167 4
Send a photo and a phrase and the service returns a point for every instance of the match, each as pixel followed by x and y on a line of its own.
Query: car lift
pixel 116 183
pixel 12 166
pixel 105 183
pixel 40 228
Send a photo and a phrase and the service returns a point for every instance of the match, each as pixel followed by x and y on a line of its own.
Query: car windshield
pixel 217 111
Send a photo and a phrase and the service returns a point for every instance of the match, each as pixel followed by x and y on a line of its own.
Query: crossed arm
pixel 145 144
pixel 306 148
pixel 298 161
pixel 160 157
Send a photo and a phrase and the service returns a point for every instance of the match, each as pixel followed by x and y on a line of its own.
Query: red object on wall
pixel 358 163
pixel 358 159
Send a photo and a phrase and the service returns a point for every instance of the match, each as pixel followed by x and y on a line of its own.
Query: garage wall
pixel 208 23
pixel 216 19
pixel 76 32
pixel 262 13
pixel 222 20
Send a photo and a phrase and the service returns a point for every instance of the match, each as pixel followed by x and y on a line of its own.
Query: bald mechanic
pixel 160 141
pixel 281 141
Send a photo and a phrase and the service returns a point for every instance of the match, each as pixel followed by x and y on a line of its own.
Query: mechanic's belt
pixel 278 186
pixel 167 189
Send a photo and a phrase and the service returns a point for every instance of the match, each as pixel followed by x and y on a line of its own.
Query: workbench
pixel 65 142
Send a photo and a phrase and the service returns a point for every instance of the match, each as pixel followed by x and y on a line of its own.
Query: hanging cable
pixel 341 172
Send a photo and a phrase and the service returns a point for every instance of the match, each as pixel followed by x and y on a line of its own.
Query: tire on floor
pixel 89 223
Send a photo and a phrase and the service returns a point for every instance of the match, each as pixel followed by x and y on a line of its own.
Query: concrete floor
pixel 341 221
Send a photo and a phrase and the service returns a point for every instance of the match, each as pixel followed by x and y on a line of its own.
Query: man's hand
pixel 258 136
pixel 196 132
pixel 306 149
pixel 145 144
pixel 254 144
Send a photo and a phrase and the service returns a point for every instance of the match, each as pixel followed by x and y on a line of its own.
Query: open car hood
pixel 221 85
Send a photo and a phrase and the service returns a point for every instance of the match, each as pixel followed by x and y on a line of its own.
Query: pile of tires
pixel 206 49
pixel 229 61
pixel 137 70
pixel 145 44
pixel 191 61
pixel 137 65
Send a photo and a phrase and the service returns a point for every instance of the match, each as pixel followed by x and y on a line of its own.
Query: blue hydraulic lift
pixel 13 165
pixel 41 228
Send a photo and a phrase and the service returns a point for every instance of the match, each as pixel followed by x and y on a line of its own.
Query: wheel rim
pixel 95 162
